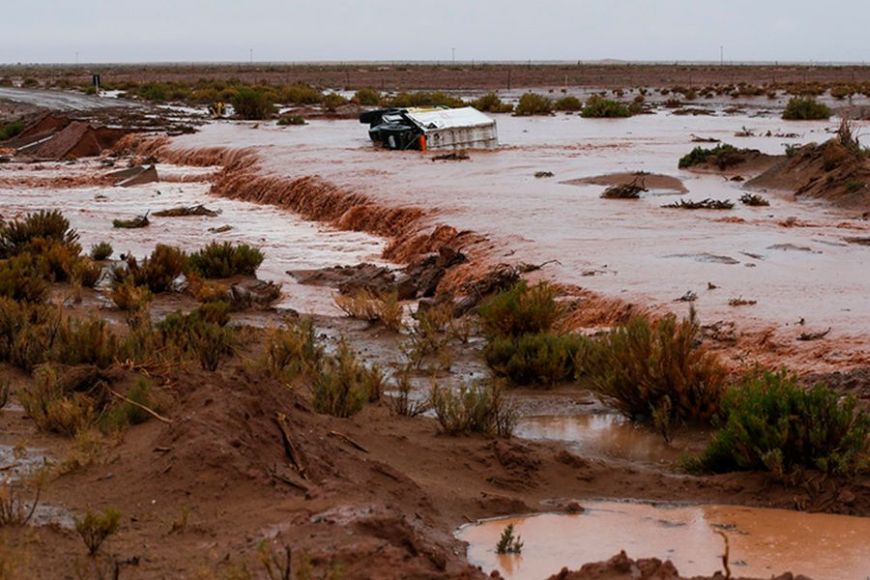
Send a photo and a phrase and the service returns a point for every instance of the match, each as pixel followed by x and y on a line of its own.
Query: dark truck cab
pixel 393 129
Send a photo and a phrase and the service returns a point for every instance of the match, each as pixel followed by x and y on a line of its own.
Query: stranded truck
pixel 431 128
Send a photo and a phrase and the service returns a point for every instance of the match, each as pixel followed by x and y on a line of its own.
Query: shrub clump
pixel 252 104
pixel 539 358
pixel 520 310
pixel 491 103
pixel 480 408
pixel 598 107
pixel 699 155
pixel 101 251
pixel 40 228
pixel 342 385
pixel 225 260
pixel 367 97
pixel 772 424
pixel 658 372
pixel 202 333
pixel 157 272
pixel 806 109
pixel 292 350
pixel 568 103
pixel 95 528
pixel 371 307
pixel 533 104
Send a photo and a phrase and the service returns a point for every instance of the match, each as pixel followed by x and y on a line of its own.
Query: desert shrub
pixel 129 297
pixel 599 107
pixel 124 414
pixel 805 109
pixel 342 385
pixel 17 236
pixel 95 528
pixel 435 327
pixel 86 272
pixel 27 332
pixel 10 130
pixel 155 92
pixel 402 403
pixel 480 408
pixel 79 342
pixel 533 104
pixel 291 120
pixel 366 305
pixel 224 260
pixel 508 543
pixel 252 104
pixel 23 278
pixel 292 350
pixel 424 99
pixel 367 97
pixel 568 103
pixel 658 371
pixel 58 404
pixel 537 359
pixel 772 424
pixel 491 103
pixel 720 154
pixel 15 510
pixel 101 251
pixel 332 101
pixel 520 310
pixel 198 334
pixel 300 95
pixel 156 272
pixel 58 260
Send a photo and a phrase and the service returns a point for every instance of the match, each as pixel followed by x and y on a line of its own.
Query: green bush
pixel 569 103
pixel 480 408
pixel 124 413
pixel 224 260
pixel 805 109
pixel 101 251
pixel 658 372
pixel 719 154
pixel 599 107
pixel 520 310
pixel 155 92
pixel 292 350
pixel 156 272
pixel 300 95
pixel 343 385
pixel 296 120
pixel 533 104
pixel 367 97
pixel 332 101
pixel 772 424
pixel 10 130
pixel 491 103
pixel 95 528
pixel 424 99
pixel 538 359
pixel 252 104
pixel 199 334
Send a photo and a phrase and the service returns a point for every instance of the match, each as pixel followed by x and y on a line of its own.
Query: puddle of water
pixel 17 463
pixel 763 542
pixel 599 435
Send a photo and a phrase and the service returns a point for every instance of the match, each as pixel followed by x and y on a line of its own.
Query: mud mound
pixel 621 567
pixel 833 171
pixel 648 180
pixel 41 128
pixel 78 139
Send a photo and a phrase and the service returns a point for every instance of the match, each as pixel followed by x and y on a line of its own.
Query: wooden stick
pixel 151 412
pixel 289 449
pixel 348 440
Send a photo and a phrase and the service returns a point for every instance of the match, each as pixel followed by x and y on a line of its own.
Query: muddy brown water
pixel 763 542
pixel 604 435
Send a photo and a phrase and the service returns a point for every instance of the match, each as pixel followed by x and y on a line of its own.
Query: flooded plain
pixel 763 542
pixel 629 249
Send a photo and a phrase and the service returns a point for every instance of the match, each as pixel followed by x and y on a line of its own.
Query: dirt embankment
pixel 837 171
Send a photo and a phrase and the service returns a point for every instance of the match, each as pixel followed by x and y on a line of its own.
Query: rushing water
pixel 763 542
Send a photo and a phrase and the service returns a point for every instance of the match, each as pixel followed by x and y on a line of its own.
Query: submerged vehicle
pixel 431 128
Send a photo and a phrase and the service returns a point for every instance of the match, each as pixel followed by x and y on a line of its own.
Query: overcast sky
pixel 300 30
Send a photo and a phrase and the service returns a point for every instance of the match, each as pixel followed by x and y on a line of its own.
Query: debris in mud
pixel 791 248
pixel 543 174
pixel 745 132
pixel 742 302
pixel 455 156
pixel 703 204
pixel 720 331
pixel 696 139
pixel 807 336
pixel 753 200
pixel 498 278
pixel 689 296
pixel 348 279
pixel 622 567
pixel 625 191
pixel 861 241
pixel 707 257
pixel 185 211
pixel 136 175
pixel 722 157
pixel 220 229
pixel 141 221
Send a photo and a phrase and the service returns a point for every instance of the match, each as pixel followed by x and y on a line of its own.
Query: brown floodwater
pixel 634 250
pixel 289 243
pixel 763 542
pixel 604 435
